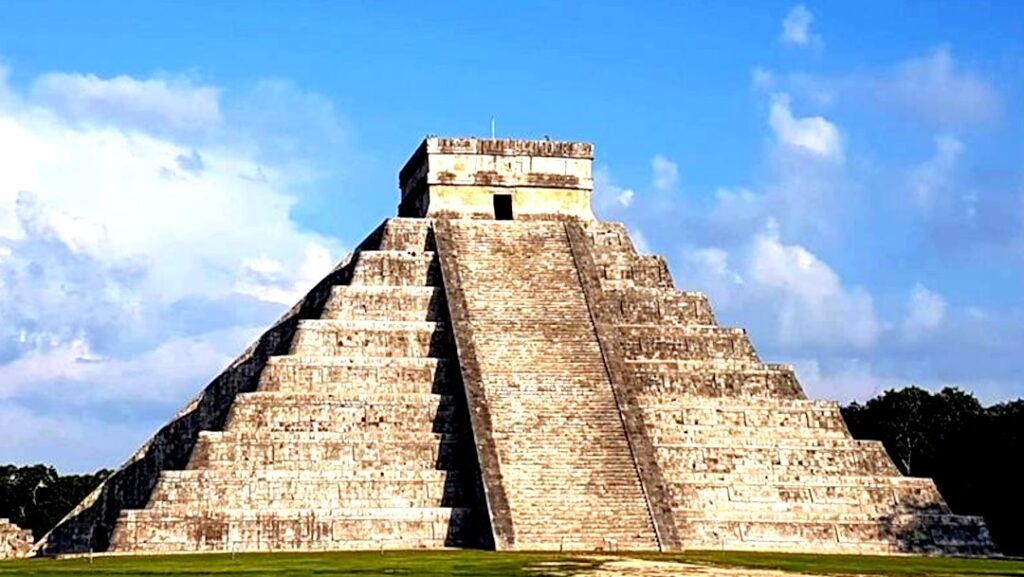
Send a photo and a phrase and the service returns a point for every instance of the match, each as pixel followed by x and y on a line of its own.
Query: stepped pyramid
pixel 496 368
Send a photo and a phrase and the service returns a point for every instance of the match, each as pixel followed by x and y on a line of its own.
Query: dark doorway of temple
pixel 503 207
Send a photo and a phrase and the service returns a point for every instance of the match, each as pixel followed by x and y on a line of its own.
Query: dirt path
pixel 626 567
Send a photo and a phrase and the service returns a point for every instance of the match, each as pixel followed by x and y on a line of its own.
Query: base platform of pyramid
pixel 495 368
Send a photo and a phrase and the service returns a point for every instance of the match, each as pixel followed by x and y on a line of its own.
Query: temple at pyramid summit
pixel 496 368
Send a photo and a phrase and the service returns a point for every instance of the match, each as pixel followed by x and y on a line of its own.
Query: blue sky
pixel 846 181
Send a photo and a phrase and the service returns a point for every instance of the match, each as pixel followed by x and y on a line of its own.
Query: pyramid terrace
pixel 496 368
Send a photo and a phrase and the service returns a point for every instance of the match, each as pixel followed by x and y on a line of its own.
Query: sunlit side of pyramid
pixel 496 368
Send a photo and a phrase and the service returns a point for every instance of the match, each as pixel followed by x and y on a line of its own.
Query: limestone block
pixel 286 413
pixel 341 374
pixel 541 370
pixel 370 338
pixel 645 305
pixel 406 234
pixel 396 268
pixel 15 542
pixel 641 271
pixel 660 342
pixel 670 379
pixel 367 302
pixel 284 529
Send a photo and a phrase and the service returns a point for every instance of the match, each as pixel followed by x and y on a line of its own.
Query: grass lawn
pixel 850 564
pixel 481 563
pixel 363 564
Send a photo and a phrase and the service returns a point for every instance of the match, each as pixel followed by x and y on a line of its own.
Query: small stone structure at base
pixel 496 368
pixel 15 542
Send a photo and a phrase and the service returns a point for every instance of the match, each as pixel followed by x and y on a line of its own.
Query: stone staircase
pixel 512 384
pixel 565 463
pixel 747 461
pixel 358 438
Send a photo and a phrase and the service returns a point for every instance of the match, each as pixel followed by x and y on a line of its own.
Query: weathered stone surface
pixel 15 542
pixel 532 383
pixel 749 463
pixel 461 176
pixel 565 460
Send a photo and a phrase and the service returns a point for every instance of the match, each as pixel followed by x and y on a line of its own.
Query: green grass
pixel 362 564
pixel 483 564
pixel 851 564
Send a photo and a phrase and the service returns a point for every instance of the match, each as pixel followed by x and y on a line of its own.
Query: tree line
pixel 36 497
pixel 973 453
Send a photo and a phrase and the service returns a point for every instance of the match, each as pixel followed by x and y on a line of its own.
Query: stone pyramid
pixel 496 368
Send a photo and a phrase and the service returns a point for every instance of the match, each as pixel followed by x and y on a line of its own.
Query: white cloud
pixel 926 310
pixel 140 227
pixel 182 366
pixel 933 177
pixel 665 173
pixel 814 307
pixel 155 104
pixel 762 79
pixel 714 261
pixel 849 380
pixel 639 241
pixel 69 441
pixel 812 134
pixel 118 193
pixel 610 199
pixel 934 89
pixel 270 281
pixel 625 197
pixel 784 290
pixel 796 28
pixel 937 89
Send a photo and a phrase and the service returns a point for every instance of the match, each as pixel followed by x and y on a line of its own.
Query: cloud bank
pixel 144 239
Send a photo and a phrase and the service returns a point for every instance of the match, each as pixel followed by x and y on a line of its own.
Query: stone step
pixel 565 535
pixel 313 493
pixel 406 234
pixel 734 417
pixel 702 365
pixel 396 268
pixel 742 502
pixel 861 457
pixel 673 342
pixel 865 460
pixel 740 444
pixel 385 303
pixel 245 530
pixel 437 413
pixel 369 436
pixel 620 271
pixel 760 404
pixel 371 338
pixel 213 476
pixel 659 305
pixel 250 451
pixel 673 382
pixel 667 432
pixel 341 374
pixel 541 371
pixel 889 534
pixel 791 479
